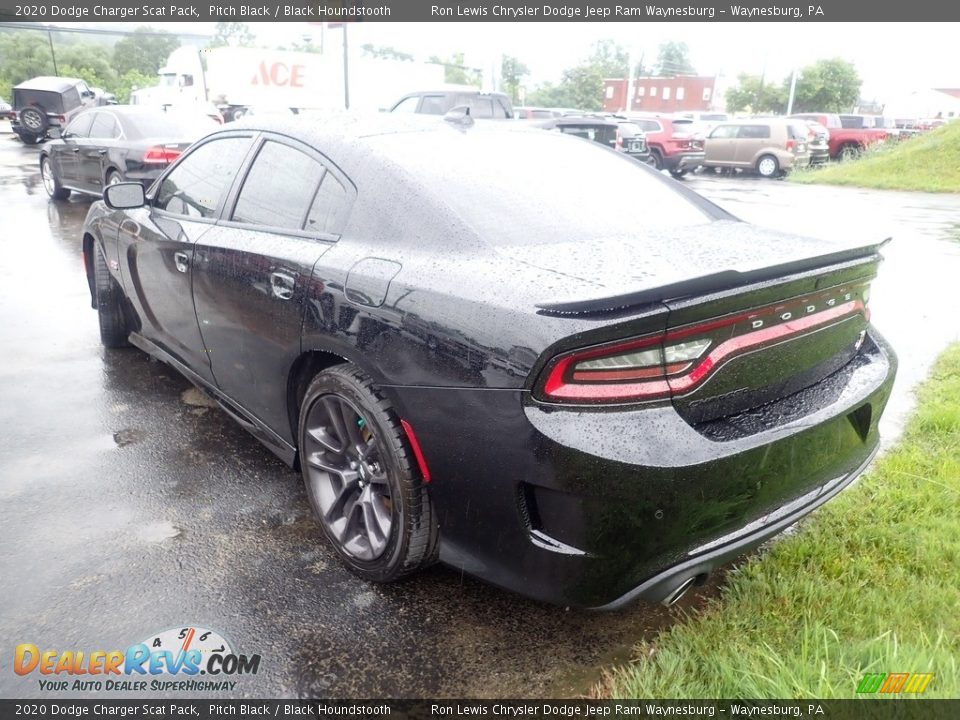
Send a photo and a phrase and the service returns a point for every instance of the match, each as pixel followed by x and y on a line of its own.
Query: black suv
pixel 615 134
pixel 496 106
pixel 46 104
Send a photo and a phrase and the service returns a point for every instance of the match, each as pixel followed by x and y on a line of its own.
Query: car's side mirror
pixel 124 196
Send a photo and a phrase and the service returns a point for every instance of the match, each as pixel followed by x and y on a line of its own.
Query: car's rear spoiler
pixel 866 255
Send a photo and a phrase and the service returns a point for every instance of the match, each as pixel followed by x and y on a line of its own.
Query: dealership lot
pixel 131 506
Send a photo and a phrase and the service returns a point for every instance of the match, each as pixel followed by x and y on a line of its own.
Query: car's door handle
pixel 76 149
pixel 101 152
pixel 282 285
pixel 181 260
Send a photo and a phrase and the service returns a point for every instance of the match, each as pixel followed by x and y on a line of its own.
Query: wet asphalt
pixel 130 505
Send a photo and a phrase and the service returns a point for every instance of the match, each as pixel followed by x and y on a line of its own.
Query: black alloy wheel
pixel 51 183
pixel 360 480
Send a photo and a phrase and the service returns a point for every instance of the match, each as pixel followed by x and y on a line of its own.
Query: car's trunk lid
pixel 750 318
pixel 769 339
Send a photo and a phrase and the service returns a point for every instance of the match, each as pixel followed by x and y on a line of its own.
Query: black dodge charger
pixel 525 356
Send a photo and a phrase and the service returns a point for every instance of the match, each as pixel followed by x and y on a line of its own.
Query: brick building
pixel 662 94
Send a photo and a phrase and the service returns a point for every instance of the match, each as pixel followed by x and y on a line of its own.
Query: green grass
pixel 871 583
pixel 928 163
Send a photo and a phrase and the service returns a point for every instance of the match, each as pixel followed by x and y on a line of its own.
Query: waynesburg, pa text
pixel 588 12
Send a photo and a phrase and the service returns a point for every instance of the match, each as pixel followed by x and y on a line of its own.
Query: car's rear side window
pixel 71 99
pixel 80 127
pixel 649 125
pixel 754 132
pixel 329 205
pixel 104 126
pixel 433 105
pixel 279 188
pixel 196 185
pixel 407 105
pixel 723 132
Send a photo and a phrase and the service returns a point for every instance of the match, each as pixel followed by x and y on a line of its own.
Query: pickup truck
pixel 845 142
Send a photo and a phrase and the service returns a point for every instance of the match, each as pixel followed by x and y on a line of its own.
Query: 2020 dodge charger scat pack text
pixel 521 354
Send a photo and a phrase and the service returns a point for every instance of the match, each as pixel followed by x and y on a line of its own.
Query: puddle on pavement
pixel 158 532
pixel 128 437
pixel 197 398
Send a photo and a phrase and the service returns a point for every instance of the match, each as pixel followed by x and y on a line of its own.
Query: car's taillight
pixel 633 370
pixel 160 154
pixel 790 144
pixel 619 140
pixel 677 361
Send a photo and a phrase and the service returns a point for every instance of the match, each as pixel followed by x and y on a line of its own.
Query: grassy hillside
pixel 928 163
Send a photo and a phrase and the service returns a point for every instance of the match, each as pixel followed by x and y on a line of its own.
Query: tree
pixel 91 63
pixel 512 72
pixel 385 52
pixel 828 85
pixel 753 95
pixel 23 55
pixel 580 87
pixel 609 59
pixel 456 73
pixel 232 33
pixel 145 51
pixel 130 81
pixel 673 58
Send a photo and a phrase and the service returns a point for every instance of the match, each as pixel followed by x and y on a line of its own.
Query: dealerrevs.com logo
pixel 173 660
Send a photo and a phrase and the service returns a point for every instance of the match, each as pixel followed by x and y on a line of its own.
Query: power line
pixel 94 31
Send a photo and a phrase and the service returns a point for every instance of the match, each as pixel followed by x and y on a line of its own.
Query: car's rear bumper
pixel 663 585
pixel 683 161
pixel 819 156
pixel 594 508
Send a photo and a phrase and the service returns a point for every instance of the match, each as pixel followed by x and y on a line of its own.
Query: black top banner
pixel 478 11
pixel 893 709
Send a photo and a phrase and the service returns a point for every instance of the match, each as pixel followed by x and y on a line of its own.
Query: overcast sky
pixel 890 57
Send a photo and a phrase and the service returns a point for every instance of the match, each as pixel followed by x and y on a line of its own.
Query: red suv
pixel 670 140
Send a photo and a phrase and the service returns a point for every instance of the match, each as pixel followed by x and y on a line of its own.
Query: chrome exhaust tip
pixel 679 591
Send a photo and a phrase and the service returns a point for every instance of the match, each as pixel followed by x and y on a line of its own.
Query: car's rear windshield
pixel 852 122
pixel 49 101
pixel 629 129
pixel 527 187
pixel 162 125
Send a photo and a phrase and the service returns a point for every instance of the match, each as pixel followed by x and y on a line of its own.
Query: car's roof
pixel 340 127
pixel 48 83
pixel 460 89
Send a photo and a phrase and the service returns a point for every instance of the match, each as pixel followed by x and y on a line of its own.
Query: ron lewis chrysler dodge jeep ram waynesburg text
pixel 515 352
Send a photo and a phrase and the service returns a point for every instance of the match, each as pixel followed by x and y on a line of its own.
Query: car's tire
pixel 50 181
pixel 768 166
pixel 34 120
pixel 114 330
pixel 656 160
pixel 849 151
pixel 113 177
pixel 361 478
pixel 238 113
pixel 678 174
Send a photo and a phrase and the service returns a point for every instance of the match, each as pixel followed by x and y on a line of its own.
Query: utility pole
pixel 52 53
pixel 346 72
pixel 629 99
pixel 793 90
